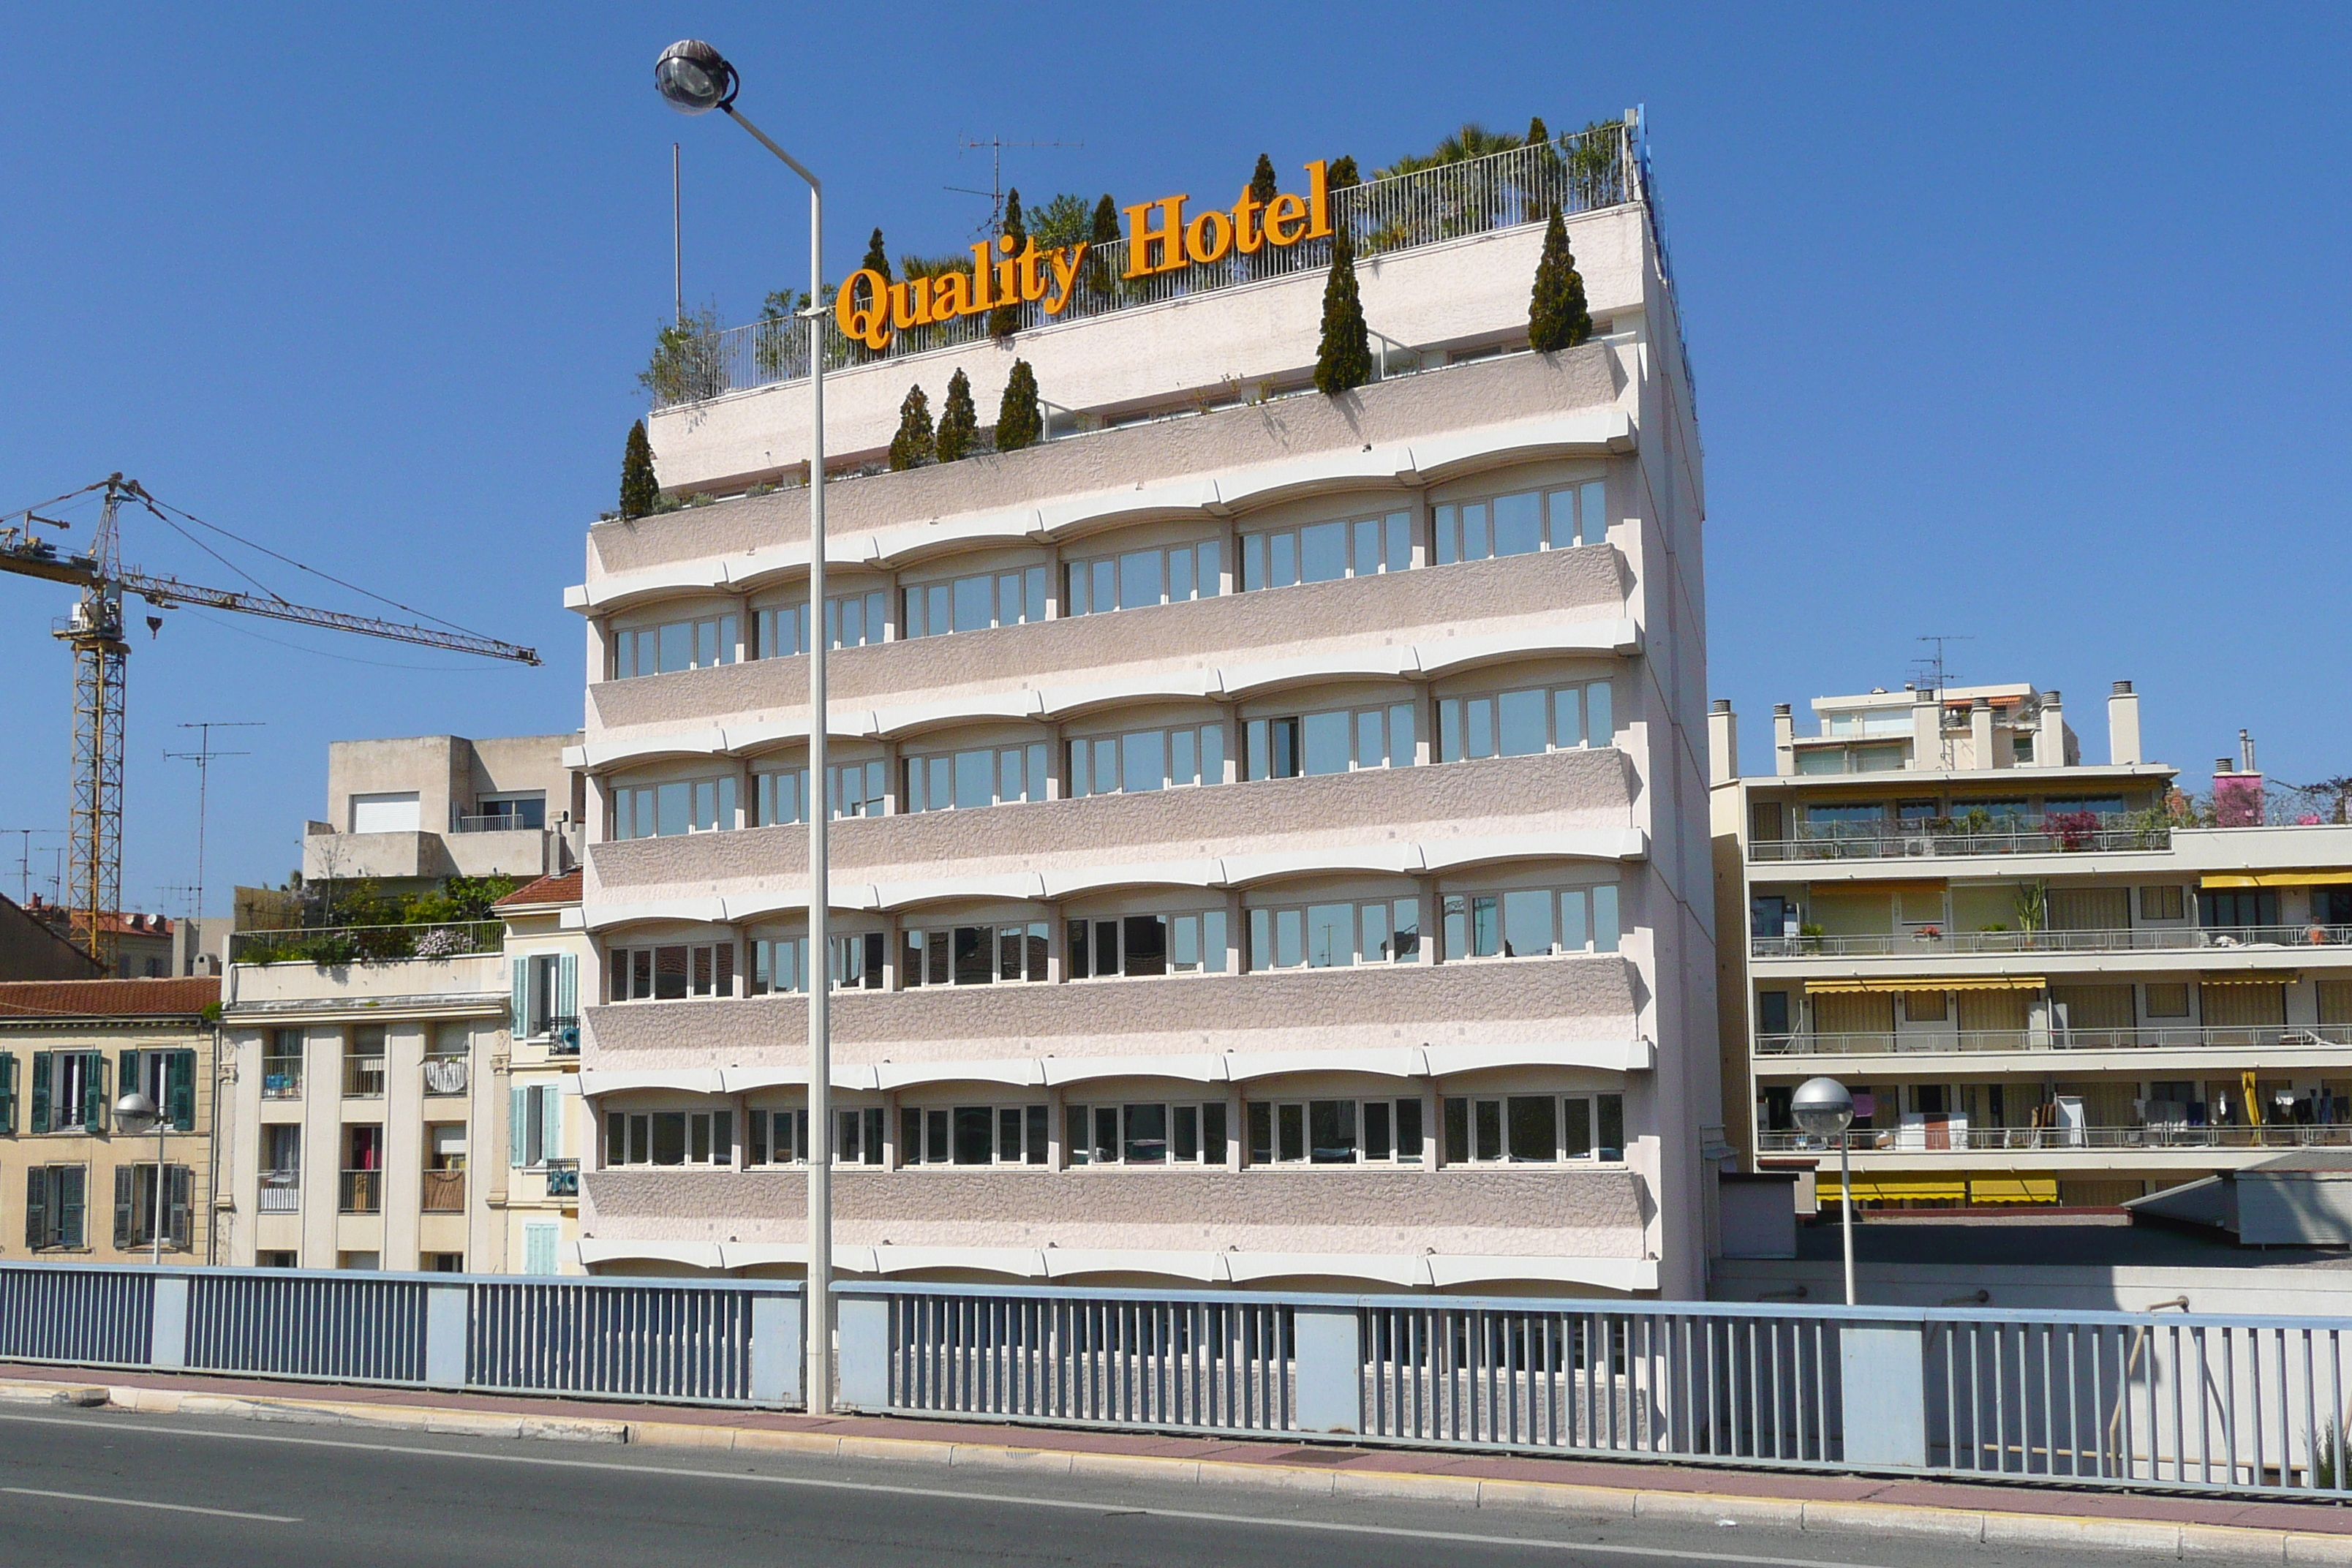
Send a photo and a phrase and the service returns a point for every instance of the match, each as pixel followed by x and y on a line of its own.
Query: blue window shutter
pixel 129 1063
pixel 180 1090
pixel 40 1091
pixel 567 986
pixel 519 1018
pixel 550 1122
pixel 518 1127
pixel 180 1211
pixel 123 1200
pixel 36 1208
pixel 7 1094
pixel 70 1190
pixel 95 1099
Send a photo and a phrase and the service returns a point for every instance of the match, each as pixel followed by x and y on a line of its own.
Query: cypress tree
pixel 1005 320
pixel 639 489
pixel 1261 186
pixel 912 445
pixel 1557 318
pixel 1105 232
pixel 1344 359
pixel 1341 173
pixel 958 424
pixel 1020 422
pixel 1536 133
pixel 876 258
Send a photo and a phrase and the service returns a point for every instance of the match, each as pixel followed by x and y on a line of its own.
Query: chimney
pixel 2246 752
pixel 1926 730
pixel 2049 739
pixel 2123 725
pixel 1784 740
pixel 1722 742
pixel 1981 733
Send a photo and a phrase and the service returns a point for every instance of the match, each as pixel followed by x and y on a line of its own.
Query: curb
pixel 2143 1538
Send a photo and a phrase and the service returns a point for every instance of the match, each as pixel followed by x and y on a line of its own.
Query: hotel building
pixel 2043 982
pixel 1268 839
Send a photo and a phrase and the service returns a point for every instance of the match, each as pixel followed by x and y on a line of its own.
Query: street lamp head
pixel 135 1113
pixel 1822 1107
pixel 695 78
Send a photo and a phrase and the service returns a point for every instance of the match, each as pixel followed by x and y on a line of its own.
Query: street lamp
pixel 1822 1107
pixel 696 79
pixel 134 1114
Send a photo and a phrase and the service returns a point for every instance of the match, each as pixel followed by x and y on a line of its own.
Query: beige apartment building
pixel 86 1191
pixel 411 812
pixel 1267 842
pixel 2042 986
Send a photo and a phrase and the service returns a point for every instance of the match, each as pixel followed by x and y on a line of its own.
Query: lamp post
pixel 696 79
pixel 1822 1107
pixel 134 1113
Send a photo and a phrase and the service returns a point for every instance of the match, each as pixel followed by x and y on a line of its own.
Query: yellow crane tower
pixel 95 633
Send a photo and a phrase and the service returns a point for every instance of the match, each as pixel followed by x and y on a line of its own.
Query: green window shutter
pixel 132 1077
pixel 180 1090
pixel 567 985
pixel 123 1200
pixel 181 1210
pixel 7 1094
pixel 69 1190
pixel 550 1122
pixel 36 1208
pixel 519 1018
pixel 40 1091
pixel 95 1099
pixel 518 1127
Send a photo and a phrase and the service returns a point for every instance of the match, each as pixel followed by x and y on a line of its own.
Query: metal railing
pixel 281 1191
pixel 1937 943
pixel 361 1192
pixel 363 1078
pixel 497 822
pixel 444 1192
pixel 1969 1139
pixel 281 1078
pixel 1890 842
pixel 446 1075
pixel 563 1036
pixel 1583 171
pixel 2137 1038
pixel 564 1178
pixel 331 945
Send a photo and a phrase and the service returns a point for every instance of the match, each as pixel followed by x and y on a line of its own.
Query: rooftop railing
pixel 1582 171
pixel 2139 1038
pixel 366 945
pixel 1942 837
pixel 1961 1138
pixel 2145 938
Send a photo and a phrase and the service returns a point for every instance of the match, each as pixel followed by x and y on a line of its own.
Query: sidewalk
pixel 2041 1516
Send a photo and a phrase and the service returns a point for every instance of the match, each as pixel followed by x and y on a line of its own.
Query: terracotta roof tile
pixel 108 998
pixel 559 890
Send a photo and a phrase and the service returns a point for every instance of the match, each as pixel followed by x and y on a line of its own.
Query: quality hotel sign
pixel 1159 238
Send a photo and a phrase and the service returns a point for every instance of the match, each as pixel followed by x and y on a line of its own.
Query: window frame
pixel 1083 576
pixel 1473 1119
pixel 916 601
pixel 1206 932
pixel 1458 721
pixel 1277 1114
pixel 1280 746
pixel 920 770
pixel 1271 927
pixel 1495 905
pixel 628 1133
pixel 629 806
pixel 1082 756
pixel 627 658
pixel 1271 558
pixel 1207 1127
pixel 622 965
pixel 1450 522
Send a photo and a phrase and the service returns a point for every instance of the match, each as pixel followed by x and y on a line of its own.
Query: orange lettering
pixel 1201 249
pixel 1065 276
pixel 1286 219
pixel 951 296
pixel 1033 273
pixel 980 298
pixel 1247 238
pixel 911 303
pixel 1008 283
pixel 1319 200
pixel 1169 236
pixel 868 323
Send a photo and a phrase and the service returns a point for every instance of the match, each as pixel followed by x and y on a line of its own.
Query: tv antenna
pixel 995 192
pixel 203 757
pixel 1932 673
pixel 24 857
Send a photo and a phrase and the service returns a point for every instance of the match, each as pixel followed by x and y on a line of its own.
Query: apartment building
pixel 548 953
pixel 2043 982
pixel 87 1191
pixel 410 811
pixel 1266 828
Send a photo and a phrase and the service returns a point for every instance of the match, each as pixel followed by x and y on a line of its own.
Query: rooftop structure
pixel 413 811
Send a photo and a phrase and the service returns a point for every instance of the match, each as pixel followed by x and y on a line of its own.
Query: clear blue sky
pixel 2024 323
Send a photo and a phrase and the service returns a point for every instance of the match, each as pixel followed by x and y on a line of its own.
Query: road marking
pixel 946 1494
pixel 143 1502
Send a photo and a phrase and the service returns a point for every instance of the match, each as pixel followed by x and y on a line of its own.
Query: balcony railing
pixel 1929 840
pixel 362 1192
pixel 363 1078
pixel 331 945
pixel 447 1074
pixel 2139 1038
pixel 562 1036
pixel 281 1078
pixel 1967 1139
pixel 2146 939
pixel 444 1192
pixel 1582 171
pixel 281 1191
pixel 498 822
pixel 564 1178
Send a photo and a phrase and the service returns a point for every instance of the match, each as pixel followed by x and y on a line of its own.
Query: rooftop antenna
pixel 1934 673
pixel 25 857
pixel 995 192
pixel 203 757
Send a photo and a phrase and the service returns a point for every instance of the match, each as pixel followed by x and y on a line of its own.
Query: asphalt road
pixel 97 1487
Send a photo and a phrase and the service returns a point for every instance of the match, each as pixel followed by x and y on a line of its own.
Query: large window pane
pixel 1604 917
pixel 1325 737
pixel 1212 753
pixel 1330 936
pixel 974 606
pixel 1484 932
pixel 1145 761
pixel 1331 1131
pixel 974 779
pixel 1526 922
pixel 1289 939
pixel 673 808
pixel 1535 1127
pixel 973 1126
pixel 677 646
pixel 1595 512
pixel 1282 560
pixel 1519 524
pixel 1323 552
pixel 1147 944
pixel 1138 579
pixel 1599 727
pixel 1490 1129
pixel 1405 921
pixel 1147 1134
pixel 1206 574
pixel 1290 1122
pixel 669 1137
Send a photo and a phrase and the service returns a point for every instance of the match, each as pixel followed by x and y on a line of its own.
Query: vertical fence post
pixel 1883 1369
pixel 445 1335
pixel 1330 1370
pixel 776 1350
pixel 167 1333
pixel 863 1365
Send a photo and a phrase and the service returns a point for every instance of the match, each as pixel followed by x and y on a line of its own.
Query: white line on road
pixel 143 1502
pixel 949 1494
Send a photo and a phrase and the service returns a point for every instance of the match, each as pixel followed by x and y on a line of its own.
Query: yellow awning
pixel 1896 1189
pixel 1930 982
pixel 2267 977
pixel 2013 1189
pixel 2274 880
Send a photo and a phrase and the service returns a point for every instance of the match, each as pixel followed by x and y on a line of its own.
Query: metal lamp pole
pixel 694 78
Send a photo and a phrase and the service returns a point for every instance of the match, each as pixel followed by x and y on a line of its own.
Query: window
pixel 392 812
pixel 363 1062
pixel 668 972
pixel 55 1199
pixel 781 1137
pixel 976 604
pixel 1141 761
pixel 1529 921
pixel 1522 1128
pixel 2168 999
pixel 523 811
pixel 1146 1134
pixel 134 1207
pixel 782 631
pixel 546 996
pixel 168 1078
pixel 267 1259
pixel 2237 908
pixel 1325 552
pixel 2161 903
pixel 853 620
pixel 454 1262
pixel 1336 935
pixel 281 1065
pixel 1336 741
pixel 781 963
pixel 684 806
pixel 1335 1131
pixel 963 781
pixel 281 1167
pixel 1772 1013
pixel 1522 523
pixel 69 1092
pixel 669 1138
pixel 678 644
pixel 1139 945
pixel 534 1124
pixel 1523 723
pixel 781 797
pixel 975 955
pixel 1135 578
pixel 973 1135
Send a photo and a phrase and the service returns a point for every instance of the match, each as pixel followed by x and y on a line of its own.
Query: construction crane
pixel 94 631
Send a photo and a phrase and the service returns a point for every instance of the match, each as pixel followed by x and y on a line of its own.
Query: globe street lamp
pixel 134 1114
pixel 1822 1107
pixel 696 79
